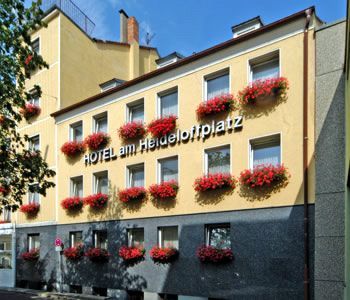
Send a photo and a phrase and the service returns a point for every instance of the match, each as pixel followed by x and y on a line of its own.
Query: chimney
pixel 123 26
pixel 133 30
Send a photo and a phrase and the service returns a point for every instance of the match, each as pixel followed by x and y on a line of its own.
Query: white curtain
pixel 102 184
pixel 77 133
pixel 77 187
pixel 169 169
pixel 169 236
pixel 137 113
pixel 219 160
pixel 266 155
pixel 137 177
pixel 136 237
pixel 266 70
pixel 101 125
pixel 168 104
pixel 218 86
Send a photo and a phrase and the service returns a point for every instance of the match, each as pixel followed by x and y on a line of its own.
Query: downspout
pixel 308 13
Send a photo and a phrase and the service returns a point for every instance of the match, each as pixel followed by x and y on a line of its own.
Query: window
pixel 217 160
pixel 33 241
pixel 264 67
pixel 217 84
pixel 76 132
pixel 168 103
pixel 136 237
pixel 101 182
pixel 75 238
pixel 168 237
pixel 136 175
pixel 34 98
pixel 33 196
pixel 76 186
pixel 265 151
pixel 100 239
pixel 34 143
pixel 168 169
pixel 6 251
pixel 36 45
pixel 101 123
pixel 136 111
pixel 218 235
pixel 135 295
pixel 6 215
pixel 167 297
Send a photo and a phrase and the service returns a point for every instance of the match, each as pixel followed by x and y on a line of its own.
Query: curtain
pixel 101 125
pixel 266 70
pixel 77 133
pixel 77 187
pixel 102 184
pixel 219 160
pixel 137 113
pixel 169 169
pixel 137 177
pixel 136 237
pixel 218 86
pixel 169 104
pixel 266 154
pixel 169 237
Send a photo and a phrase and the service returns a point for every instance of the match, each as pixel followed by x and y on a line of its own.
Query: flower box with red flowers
pixel 132 194
pixel 97 140
pixel 162 126
pixel 31 255
pixel 263 90
pixel 132 254
pixel 164 190
pixel 132 130
pixel 218 104
pixel 72 203
pixel 96 201
pixel 73 148
pixel 74 253
pixel 30 209
pixel 264 176
pixel 97 255
pixel 216 181
pixel 163 255
pixel 210 254
pixel 30 111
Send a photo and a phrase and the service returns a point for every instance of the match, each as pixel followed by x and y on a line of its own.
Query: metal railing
pixel 72 11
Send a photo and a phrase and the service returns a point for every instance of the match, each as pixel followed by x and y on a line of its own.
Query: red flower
pixel 97 254
pixel 74 253
pixel 216 105
pixel 214 255
pixel 72 149
pixel 97 140
pixel 132 254
pixel 164 190
pixel 4 222
pixel 163 255
pixel 30 111
pixel 28 59
pixel 264 175
pixel 31 255
pixel 72 203
pixel 132 194
pixel 4 190
pixel 214 181
pixel 30 209
pixel 262 88
pixel 96 201
pixel 132 130
pixel 162 126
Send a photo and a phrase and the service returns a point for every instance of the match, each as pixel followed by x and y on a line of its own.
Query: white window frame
pixel 159 169
pixel 214 75
pixel 6 215
pixel 214 148
pixel 72 236
pixel 160 234
pixel 71 129
pixel 262 138
pixel 30 240
pixel 95 179
pixel 30 193
pixel 169 91
pixel 210 226
pixel 33 137
pixel 96 118
pixel 129 106
pixel 72 183
pixel 33 92
pixel 129 173
pixel 130 235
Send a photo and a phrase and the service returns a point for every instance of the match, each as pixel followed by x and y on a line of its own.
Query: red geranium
pixel 264 176
pixel 162 126
pixel 72 203
pixel 132 194
pixel 132 130
pixel 97 140
pixel 214 181
pixel 96 201
pixel 163 255
pixel 97 254
pixel 31 255
pixel 164 190
pixel 216 105
pixel 30 111
pixel 74 253
pixel 28 59
pixel 263 88
pixel 30 209
pixel 132 254
pixel 214 255
pixel 72 149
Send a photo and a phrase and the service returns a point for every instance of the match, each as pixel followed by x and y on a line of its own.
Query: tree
pixel 21 169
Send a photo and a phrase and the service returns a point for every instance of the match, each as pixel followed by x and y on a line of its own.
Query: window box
pixel 162 126
pixel 132 194
pixel 132 130
pixel 30 209
pixel 73 149
pixel 210 254
pixel 97 140
pixel 74 253
pixel 72 204
pixel 30 111
pixel 218 104
pixel 264 176
pixel 96 201
pixel 31 255
pixel 132 254
pixel 264 91
pixel 164 190
pixel 214 182
pixel 163 255
pixel 97 255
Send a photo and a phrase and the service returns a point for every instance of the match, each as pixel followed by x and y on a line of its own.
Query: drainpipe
pixel 308 13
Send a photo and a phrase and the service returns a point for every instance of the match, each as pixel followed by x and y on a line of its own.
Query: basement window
pixel 33 241
pixel 218 235
pixel 168 237
pixel 75 238
pixel 100 239
pixel 136 237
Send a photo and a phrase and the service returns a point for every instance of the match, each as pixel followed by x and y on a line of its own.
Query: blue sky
pixel 189 26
